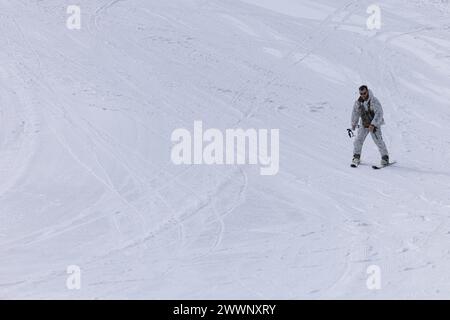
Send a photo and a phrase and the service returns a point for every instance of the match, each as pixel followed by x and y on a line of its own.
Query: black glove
pixel 350 133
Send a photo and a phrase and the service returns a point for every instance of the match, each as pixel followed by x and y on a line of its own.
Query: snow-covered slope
pixel 86 177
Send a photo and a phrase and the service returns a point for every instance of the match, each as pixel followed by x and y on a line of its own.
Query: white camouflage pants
pixel 377 138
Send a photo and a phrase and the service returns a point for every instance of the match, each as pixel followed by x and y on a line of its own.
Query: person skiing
pixel 369 110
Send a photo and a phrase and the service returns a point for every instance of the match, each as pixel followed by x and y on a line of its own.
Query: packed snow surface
pixel 86 177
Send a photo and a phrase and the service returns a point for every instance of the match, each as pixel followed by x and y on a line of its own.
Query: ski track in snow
pixel 86 178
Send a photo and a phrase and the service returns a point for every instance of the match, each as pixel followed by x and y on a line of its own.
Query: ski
pixel 381 167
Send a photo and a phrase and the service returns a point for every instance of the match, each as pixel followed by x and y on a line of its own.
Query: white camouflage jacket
pixel 374 104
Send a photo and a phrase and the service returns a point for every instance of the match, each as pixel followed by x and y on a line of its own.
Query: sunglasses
pixel 363 93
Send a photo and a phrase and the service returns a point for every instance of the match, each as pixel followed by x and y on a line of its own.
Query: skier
pixel 369 109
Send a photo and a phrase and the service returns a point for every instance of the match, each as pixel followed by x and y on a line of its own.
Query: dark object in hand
pixel 350 133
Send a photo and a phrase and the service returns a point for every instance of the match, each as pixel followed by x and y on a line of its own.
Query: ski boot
pixel 384 160
pixel 356 160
